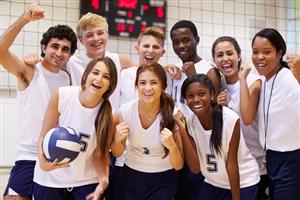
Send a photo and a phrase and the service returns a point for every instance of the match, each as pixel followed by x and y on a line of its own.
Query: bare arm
pixel 102 169
pixel 232 162
pixel 175 152
pixel 249 97
pixel 120 131
pixel 9 60
pixel 293 62
pixel 50 121
pixel 189 146
pixel 125 62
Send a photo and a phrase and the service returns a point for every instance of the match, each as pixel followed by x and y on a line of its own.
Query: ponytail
pixel 103 124
pixel 166 110
pixel 217 128
pixel 284 64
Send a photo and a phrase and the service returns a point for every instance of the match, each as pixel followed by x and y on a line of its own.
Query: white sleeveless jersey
pixel 128 92
pixel 32 103
pixel 250 132
pixel 202 67
pixel 145 150
pixel 282 132
pixel 77 65
pixel 213 166
pixel 81 120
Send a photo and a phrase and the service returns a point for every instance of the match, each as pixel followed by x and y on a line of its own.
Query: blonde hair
pixel 153 31
pixel 90 19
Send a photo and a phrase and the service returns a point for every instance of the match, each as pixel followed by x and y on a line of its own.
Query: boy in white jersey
pixel 92 32
pixel 150 47
pixel 34 87
pixel 185 38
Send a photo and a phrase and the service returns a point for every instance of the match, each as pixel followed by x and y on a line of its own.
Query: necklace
pixel 266 115
pixel 151 117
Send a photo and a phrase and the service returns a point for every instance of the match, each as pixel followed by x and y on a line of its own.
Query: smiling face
pixel 198 98
pixel 184 44
pixel 227 60
pixel 98 80
pixel 149 87
pixel 94 38
pixel 149 49
pixel 265 57
pixel 57 53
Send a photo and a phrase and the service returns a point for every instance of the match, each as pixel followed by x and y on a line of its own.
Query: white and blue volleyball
pixel 62 144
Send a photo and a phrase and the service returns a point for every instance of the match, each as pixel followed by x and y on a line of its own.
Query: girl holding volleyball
pixel 153 154
pixel 278 112
pixel 213 144
pixel 87 111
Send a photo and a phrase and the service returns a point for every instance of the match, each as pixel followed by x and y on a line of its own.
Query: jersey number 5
pixel 83 141
pixel 211 163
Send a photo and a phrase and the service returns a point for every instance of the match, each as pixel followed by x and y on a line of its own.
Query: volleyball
pixel 62 144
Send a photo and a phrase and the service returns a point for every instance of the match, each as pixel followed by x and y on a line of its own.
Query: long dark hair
pixel 103 121
pixel 166 102
pixel 217 111
pixel 275 39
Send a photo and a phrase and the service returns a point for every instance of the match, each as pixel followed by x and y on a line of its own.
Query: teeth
pixel 96 86
pixel 96 45
pixel 149 58
pixel 227 67
pixel 260 65
pixel 197 106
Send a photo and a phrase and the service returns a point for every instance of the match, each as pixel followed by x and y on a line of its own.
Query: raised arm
pixel 174 146
pixel 189 146
pixel 293 62
pixel 249 97
pixel 120 132
pixel 9 60
pixel 232 166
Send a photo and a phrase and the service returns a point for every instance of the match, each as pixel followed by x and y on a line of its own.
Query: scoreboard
pixel 127 18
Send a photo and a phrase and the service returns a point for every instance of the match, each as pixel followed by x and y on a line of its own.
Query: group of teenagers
pixel 190 130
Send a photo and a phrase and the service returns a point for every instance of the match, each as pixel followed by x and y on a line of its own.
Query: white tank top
pixel 202 67
pixel 32 103
pixel 145 150
pixel 81 119
pixel 250 133
pixel 77 65
pixel 213 166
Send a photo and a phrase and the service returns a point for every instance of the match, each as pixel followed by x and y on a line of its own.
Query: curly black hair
pixel 61 32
